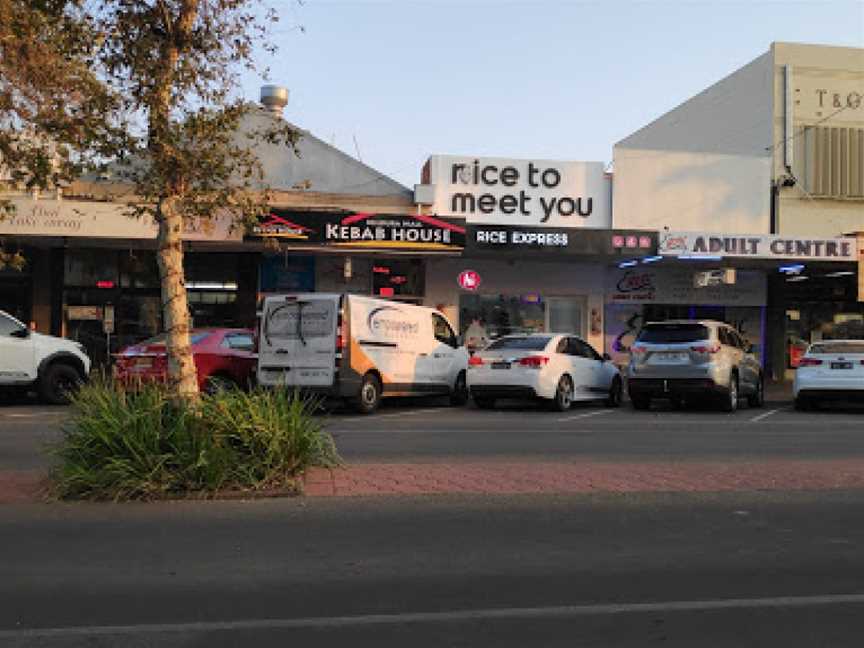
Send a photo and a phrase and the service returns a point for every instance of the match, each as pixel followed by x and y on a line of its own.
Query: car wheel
pixel 640 402
pixel 459 396
pixel 483 403
pixel 563 398
pixel 730 398
pixel 369 397
pixel 757 399
pixel 58 383
pixel 216 384
pixel 802 404
pixel 615 391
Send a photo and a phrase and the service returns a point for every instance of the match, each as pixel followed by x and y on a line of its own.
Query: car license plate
pixel 841 365
pixel 143 362
pixel 671 358
pixel 500 365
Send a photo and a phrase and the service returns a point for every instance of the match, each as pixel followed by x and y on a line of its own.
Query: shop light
pixel 699 257
pixel 796 268
pixel 105 284
pixel 211 285
pixel 652 259
pixel 841 273
pixel 627 264
pixel 797 278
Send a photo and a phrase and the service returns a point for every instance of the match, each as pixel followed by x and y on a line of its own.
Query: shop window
pixel 398 278
pixel 88 268
pixel 138 269
pixel 491 316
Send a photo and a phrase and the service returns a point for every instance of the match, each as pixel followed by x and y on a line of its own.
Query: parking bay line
pixel 585 415
pixel 450 616
pixel 765 415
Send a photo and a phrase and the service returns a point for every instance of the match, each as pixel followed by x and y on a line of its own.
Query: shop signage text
pixel 757 246
pixel 657 285
pixel 546 241
pixel 507 191
pixel 361 230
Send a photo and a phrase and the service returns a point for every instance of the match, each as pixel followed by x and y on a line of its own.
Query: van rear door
pixel 298 341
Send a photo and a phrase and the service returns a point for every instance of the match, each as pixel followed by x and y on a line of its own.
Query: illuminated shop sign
pixel 360 230
pixel 540 241
pixel 757 246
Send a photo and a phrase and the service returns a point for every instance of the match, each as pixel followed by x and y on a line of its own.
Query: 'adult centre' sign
pixel 757 246
pixel 503 191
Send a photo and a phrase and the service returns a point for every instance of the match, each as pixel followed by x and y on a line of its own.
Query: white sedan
pixel 830 370
pixel 557 368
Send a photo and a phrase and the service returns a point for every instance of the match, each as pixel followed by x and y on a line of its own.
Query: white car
pixel 557 368
pixel 51 365
pixel 830 370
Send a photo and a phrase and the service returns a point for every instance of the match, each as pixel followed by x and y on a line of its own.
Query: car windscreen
pixel 673 333
pixel 837 347
pixel 521 343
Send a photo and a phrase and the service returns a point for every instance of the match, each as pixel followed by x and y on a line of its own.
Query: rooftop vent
pixel 274 98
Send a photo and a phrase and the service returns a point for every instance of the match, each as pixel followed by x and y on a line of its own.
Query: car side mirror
pixel 21 333
pixel 607 357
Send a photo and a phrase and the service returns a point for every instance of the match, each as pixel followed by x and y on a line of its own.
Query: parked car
pixel 51 365
pixel 223 358
pixel 358 348
pixel 830 370
pixel 559 369
pixel 687 359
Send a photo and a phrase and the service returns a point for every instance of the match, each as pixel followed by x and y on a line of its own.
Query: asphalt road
pixel 429 431
pixel 625 571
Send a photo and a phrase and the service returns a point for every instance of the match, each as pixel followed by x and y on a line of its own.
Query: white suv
pixel 49 364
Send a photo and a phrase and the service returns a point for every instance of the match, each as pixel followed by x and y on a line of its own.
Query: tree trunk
pixel 182 376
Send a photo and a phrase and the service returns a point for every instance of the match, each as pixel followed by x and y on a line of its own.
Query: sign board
pixel 361 230
pixel 714 277
pixel 651 284
pixel 79 313
pixel 520 192
pixel 108 320
pixel 756 246
pixel 558 241
pixel 76 218
pixel 469 280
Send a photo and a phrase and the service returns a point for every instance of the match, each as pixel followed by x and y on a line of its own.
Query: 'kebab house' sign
pixel 757 246
pixel 361 230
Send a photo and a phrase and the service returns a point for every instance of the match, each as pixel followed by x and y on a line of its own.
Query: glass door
pixel 566 315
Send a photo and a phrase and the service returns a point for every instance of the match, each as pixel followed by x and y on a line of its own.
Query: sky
pixel 395 81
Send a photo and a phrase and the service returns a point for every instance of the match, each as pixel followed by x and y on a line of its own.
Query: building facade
pixel 776 149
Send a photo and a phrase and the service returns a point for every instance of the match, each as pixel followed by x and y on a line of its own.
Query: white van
pixel 359 348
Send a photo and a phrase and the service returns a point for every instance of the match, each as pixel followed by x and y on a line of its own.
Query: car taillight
pixel 809 362
pixel 638 349
pixel 713 348
pixel 475 361
pixel 340 341
pixel 534 362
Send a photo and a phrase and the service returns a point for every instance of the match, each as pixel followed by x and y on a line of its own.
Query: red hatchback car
pixel 223 357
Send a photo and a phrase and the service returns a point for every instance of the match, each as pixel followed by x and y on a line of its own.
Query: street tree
pixel 169 72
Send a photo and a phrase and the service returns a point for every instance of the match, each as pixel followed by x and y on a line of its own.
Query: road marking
pixel 586 415
pixel 374 417
pixel 756 419
pixel 551 612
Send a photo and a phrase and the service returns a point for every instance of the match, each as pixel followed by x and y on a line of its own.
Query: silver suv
pixel 686 359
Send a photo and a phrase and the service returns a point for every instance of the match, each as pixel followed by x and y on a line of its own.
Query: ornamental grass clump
pixel 142 444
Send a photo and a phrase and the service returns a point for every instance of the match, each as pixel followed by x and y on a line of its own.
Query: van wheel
pixel 58 383
pixel 370 394
pixel 459 396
